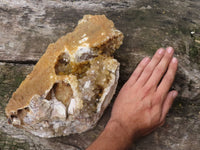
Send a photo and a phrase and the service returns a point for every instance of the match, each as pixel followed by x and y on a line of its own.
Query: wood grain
pixel 28 27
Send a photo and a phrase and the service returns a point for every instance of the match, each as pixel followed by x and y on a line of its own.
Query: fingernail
pixel 169 50
pixel 174 60
pixel 175 93
pixel 160 51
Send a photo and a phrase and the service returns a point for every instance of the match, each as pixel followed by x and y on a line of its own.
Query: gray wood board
pixel 28 27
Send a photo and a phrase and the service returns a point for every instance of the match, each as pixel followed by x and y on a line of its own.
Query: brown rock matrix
pixel 72 83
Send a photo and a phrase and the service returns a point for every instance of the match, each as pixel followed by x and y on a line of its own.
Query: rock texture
pixel 72 83
pixel 27 27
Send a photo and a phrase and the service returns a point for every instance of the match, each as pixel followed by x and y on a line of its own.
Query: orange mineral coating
pixel 98 30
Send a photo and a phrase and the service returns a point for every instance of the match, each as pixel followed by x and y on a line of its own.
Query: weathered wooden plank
pixel 27 27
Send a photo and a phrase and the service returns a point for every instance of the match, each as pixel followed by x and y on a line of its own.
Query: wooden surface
pixel 27 27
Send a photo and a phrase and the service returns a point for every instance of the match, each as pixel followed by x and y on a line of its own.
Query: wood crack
pixel 28 62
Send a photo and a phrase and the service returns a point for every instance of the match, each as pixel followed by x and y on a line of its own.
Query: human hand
pixel 144 100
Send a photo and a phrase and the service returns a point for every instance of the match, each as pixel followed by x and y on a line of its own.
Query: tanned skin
pixel 142 103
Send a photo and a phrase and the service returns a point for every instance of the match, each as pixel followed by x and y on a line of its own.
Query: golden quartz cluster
pixel 72 84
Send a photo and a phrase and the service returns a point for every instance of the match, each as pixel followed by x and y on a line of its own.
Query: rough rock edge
pixel 112 33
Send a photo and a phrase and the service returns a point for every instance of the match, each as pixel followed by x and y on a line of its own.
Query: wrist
pixel 119 130
pixel 114 137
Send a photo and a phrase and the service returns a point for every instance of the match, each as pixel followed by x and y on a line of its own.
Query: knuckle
pixel 158 56
pixel 135 73
pixel 147 89
pixel 147 105
pixel 148 69
pixel 169 78
pixel 158 98
pixel 141 65
pixel 171 72
pixel 159 70
pixel 146 92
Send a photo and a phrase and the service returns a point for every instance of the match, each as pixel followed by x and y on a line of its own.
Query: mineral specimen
pixel 72 83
